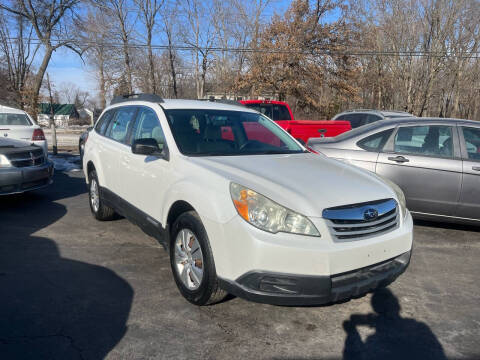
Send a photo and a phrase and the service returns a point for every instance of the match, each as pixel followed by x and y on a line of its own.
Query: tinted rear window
pixel 14 119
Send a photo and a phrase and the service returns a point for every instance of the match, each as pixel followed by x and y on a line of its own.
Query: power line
pixel 352 51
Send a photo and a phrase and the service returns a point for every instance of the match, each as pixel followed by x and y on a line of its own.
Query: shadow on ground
pixel 446 225
pixel 394 337
pixel 52 307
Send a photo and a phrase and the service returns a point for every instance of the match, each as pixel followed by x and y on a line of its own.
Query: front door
pixel 147 179
pixel 421 161
pixel 469 204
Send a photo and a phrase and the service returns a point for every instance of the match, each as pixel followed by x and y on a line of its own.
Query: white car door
pixel 115 146
pixel 147 176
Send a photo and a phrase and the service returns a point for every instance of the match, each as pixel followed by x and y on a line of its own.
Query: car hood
pixel 306 183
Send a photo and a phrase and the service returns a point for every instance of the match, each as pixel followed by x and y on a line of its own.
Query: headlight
pixel 402 203
pixel 267 215
pixel 4 162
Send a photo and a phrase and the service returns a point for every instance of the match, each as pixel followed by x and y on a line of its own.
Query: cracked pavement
pixel 75 288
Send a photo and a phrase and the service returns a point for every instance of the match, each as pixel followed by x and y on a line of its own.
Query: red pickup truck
pixel 280 112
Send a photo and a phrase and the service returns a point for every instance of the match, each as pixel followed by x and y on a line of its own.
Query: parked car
pixel 23 167
pixel 436 162
pixel 263 220
pixel 81 142
pixel 17 124
pixel 280 112
pixel 360 117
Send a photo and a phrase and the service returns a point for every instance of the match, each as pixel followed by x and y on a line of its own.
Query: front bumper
pixel 17 180
pixel 286 289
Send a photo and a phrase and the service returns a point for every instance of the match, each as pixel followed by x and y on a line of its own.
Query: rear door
pixel 365 156
pixel 469 204
pixel 424 161
pixel 115 146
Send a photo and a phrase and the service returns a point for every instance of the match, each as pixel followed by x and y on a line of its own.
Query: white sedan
pixel 17 124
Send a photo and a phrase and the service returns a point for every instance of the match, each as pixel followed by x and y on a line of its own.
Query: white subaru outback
pixel 242 207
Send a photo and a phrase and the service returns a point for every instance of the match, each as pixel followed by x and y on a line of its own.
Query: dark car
pixel 23 167
pixel 436 162
pixel 360 117
pixel 81 142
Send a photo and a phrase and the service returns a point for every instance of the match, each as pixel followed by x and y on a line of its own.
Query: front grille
pixel 356 221
pixel 27 158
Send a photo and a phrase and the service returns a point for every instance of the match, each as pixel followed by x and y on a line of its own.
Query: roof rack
pixel 397 111
pixel 352 110
pixel 223 101
pixel 136 97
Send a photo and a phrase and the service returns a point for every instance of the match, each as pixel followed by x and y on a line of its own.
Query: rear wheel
pixel 99 210
pixel 192 261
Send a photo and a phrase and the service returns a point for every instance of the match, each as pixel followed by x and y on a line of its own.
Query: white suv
pixel 243 207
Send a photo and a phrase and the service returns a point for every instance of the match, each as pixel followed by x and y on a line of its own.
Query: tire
pixel 203 292
pixel 99 210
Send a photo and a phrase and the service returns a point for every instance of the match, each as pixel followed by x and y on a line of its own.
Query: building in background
pixel 64 114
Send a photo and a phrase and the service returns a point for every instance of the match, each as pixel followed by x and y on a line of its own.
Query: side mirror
pixel 149 146
pixel 90 128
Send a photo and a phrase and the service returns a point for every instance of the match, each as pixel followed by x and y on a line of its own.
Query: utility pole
pixel 51 118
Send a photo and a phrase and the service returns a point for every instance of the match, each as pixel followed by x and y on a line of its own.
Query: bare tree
pixel 199 33
pixel 169 19
pixel 50 20
pixel 149 10
pixel 120 11
pixel 98 32
pixel 19 51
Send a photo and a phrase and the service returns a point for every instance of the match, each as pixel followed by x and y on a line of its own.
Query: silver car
pixel 436 162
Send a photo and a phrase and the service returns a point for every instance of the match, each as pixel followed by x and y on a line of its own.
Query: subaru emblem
pixel 370 214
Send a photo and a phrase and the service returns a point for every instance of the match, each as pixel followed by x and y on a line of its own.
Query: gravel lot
pixel 75 288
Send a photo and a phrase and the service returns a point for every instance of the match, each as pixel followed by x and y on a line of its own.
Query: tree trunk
pixel 153 83
pixel 37 84
pixel 173 73
pixel 103 100
pixel 126 56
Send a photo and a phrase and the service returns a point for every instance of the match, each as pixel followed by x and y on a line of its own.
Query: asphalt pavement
pixel 75 288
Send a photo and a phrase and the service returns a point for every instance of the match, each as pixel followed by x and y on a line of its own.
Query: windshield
pixel 223 133
pixel 14 119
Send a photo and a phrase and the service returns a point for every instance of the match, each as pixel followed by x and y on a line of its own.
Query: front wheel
pixel 192 261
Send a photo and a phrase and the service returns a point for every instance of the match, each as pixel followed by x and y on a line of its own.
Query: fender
pixel 199 195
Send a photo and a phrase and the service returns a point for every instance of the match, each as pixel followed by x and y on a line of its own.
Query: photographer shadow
pixel 51 306
pixel 394 338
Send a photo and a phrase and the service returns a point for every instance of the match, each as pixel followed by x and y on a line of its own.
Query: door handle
pixel 476 168
pixel 398 159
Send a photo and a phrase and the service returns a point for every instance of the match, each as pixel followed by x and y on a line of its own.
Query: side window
pixel 472 142
pixel 148 126
pixel 119 126
pixel 426 140
pixel 280 112
pixel 376 141
pixel 372 118
pixel 102 123
pixel 356 120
